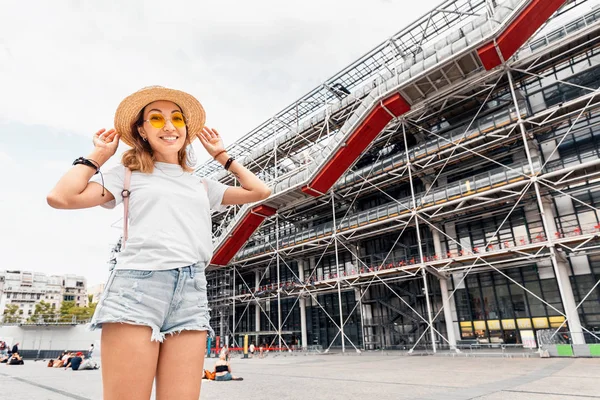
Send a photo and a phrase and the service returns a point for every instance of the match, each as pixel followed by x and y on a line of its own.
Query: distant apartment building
pixel 26 289
pixel 96 291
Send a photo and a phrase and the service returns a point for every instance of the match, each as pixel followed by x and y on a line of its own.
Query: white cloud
pixel 72 62
pixel 6 160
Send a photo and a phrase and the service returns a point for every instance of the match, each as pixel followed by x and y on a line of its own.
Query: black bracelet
pixel 89 163
pixel 92 164
pixel 228 163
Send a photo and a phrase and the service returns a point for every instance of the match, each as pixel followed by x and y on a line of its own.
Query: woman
pixel 15 359
pixel 62 360
pixel 154 307
pixel 223 370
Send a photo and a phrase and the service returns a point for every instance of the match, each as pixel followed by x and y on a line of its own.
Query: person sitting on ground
pixel 223 370
pixel 67 359
pixel 3 349
pixel 77 363
pixel 64 359
pixel 15 359
pixel 88 363
pixel 251 349
pixel 59 361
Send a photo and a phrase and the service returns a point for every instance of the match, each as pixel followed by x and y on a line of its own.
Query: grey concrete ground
pixel 348 377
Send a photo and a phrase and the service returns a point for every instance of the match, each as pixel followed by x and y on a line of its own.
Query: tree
pixel 81 313
pixel 68 310
pixel 10 314
pixel 92 308
pixel 43 313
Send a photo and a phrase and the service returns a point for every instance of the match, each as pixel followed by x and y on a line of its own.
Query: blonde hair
pixel 141 156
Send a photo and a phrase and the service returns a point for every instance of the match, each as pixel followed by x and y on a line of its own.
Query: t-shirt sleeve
pixel 113 182
pixel 216 190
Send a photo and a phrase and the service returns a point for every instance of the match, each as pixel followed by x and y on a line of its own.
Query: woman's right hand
pixel 107 141
pixel 73 190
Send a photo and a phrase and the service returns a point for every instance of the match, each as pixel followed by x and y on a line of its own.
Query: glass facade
pixel 493 307
pixel 323 329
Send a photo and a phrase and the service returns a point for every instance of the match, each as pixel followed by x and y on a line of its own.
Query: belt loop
pixel 192 271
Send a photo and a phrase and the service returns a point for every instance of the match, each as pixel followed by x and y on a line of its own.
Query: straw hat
pixel 129 110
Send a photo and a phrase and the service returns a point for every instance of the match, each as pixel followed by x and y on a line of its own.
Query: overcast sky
pixel 65 66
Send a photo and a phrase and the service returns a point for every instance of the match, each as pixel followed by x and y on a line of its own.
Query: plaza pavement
pixel 330 377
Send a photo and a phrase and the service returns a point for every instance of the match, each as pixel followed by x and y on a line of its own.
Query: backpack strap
pixel 125 193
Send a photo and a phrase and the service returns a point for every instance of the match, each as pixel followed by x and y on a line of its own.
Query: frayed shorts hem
pixel 157 335
pixel 203 328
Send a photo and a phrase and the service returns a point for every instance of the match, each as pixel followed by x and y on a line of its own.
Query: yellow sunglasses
pixel 158 120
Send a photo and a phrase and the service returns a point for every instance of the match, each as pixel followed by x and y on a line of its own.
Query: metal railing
pixel 43 319
pixel 465 187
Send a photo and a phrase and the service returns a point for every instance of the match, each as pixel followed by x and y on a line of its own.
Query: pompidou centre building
pixel 442 189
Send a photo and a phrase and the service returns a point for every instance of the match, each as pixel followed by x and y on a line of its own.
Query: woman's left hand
pixel 211 140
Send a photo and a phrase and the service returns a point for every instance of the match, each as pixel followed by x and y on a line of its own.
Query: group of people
pixel 10 356
pixel 74 360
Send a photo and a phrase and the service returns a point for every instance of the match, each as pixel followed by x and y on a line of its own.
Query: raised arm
pixel 73 190
pixel 253 189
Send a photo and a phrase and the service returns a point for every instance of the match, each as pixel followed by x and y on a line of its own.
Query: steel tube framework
pixel 482 185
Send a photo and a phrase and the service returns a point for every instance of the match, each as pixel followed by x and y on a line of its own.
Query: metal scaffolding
pixel 378 262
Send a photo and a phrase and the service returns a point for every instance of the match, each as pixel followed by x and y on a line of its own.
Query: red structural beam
pixel 241 234
pixel 373 124
pixel 518 32
pixel 358 141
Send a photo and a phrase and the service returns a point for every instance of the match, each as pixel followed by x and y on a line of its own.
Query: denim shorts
pixel 224 377
pixel 168 301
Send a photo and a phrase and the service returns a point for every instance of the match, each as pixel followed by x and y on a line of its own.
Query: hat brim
pixel 128 111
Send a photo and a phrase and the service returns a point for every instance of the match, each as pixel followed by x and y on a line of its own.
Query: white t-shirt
pixel 169 216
